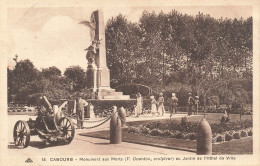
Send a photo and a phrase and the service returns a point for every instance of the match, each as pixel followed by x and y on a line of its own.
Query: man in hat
pixel 173 104
pixel 80 104
pixel 161 109
pixel 190 104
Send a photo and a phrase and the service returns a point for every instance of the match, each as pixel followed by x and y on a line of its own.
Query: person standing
pixel 139 104
pixel 173 105
pixel 80 104
pixel 190 104
pixel 196 104
pixel 161 109
pixel 153 106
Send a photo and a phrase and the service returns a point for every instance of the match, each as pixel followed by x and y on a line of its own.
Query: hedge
pixel 104 105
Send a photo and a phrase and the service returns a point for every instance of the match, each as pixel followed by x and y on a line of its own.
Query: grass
pixel 210 117
pixel 240 146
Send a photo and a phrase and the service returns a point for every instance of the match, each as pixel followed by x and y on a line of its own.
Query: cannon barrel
pixel 44 102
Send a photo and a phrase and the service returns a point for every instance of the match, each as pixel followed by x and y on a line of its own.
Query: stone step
pixel 108 93
pixel 117 97
pixel 107 90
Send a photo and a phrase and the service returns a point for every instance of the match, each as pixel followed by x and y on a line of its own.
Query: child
pixel 153 106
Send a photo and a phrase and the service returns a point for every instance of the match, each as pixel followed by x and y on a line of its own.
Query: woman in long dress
pixel 153 106
pixel 161 109
pixel 139 104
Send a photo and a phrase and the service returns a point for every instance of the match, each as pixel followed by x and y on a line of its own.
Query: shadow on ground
pixel 36 144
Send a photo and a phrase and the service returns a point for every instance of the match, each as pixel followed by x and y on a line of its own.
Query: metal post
pixel 204 138
pixel 115 129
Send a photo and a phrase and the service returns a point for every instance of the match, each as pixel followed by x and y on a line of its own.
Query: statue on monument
pixel 92 25
pixel 97 73
pixel 92 53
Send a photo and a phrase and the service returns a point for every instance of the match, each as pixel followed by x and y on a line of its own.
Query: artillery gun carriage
pixel 48 126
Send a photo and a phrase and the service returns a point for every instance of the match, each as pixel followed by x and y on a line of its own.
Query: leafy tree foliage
pixel 51 72
pixel 76 76
pixel 199 51
pixel 25 80
pixel 171 52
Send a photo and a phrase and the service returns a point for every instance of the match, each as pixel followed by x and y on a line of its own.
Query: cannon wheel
pixel 68 129
pixel 21 134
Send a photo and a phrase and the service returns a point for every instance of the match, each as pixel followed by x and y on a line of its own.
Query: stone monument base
pixel 111 94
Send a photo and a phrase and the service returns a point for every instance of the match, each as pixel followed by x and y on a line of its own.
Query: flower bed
pixel 187 130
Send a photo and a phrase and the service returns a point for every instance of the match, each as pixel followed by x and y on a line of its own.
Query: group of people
pixel 139 105
pixel 193 104
pixel 157 107
pixel 160 110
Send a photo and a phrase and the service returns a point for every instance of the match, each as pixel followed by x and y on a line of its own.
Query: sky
pixel 54 37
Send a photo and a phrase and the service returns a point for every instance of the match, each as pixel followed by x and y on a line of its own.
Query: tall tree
pixel 76 76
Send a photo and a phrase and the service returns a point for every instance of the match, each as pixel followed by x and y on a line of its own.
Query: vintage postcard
pixel 129 82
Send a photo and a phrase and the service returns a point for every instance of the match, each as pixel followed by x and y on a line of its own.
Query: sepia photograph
pixel 143 84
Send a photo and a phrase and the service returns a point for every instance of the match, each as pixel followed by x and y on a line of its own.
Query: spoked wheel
pixel 21 134
pixel 67 128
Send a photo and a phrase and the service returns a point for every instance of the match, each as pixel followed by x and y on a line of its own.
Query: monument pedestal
pixel 103 78
pixel 98 75
pixel 98 80
pixel 92 76
pixel 111 94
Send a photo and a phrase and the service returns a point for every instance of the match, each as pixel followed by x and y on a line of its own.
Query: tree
pixel 51 72
pixel 123 50
pixel 76 76
pixel 23 73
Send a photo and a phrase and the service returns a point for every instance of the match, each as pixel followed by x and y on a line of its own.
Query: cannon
pixel 45 125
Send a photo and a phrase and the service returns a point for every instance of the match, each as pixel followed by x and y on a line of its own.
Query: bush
pixel 167 133
pixel 156 132
pixel 186 135
pixel 236 135
pixel 180 135
pixel 243 133
pixel 193 136
pixel 175 133
pixel 231 132
pixel 250 132
pixel 184 120
pixel 101 105
pixel 145 130
pixel 224 119
pixel 220 138
pixel 133 129
pixel 228 137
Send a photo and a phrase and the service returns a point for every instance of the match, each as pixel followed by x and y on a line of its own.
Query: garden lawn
pixel 210 117
pixel 240 146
